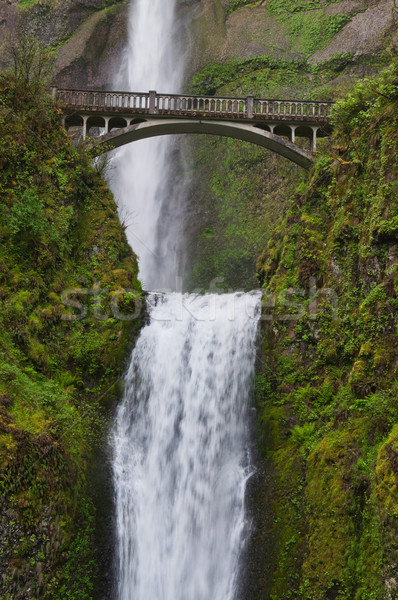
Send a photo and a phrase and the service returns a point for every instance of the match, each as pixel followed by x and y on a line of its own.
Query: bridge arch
pixel 271 123
pixel 89 122
pixel 242 131
pixel 117 123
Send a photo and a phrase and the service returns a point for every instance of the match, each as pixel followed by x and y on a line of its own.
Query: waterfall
pixel 141 178
pixel 180 439
pixel 181 448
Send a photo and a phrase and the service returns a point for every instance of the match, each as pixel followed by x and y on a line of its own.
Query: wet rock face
pixel 254 30
pixel 53 24
pixel 92 56
pixel 364 34
pixel 90 33
pixel 24 549
pixel 189 3
pixel 8 24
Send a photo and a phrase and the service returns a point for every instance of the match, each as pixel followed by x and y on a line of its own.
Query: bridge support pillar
pixel 314 134
pixel 85 118
pixel 293 135
pixel 106 119
pixel 152 101
pixel 249 105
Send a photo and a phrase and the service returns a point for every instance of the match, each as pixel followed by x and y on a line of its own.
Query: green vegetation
pixel 282 8
pixel 214 76
pixel 63 254
pixel 240 200
pixel 265 76
pixel 240 188
pixel 328 392
pixel 287 7
pixel 236 4
pixel 25 5
pixel 313 32
pixel 307 25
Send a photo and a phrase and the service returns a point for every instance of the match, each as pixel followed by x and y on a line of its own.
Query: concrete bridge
pixel 127 117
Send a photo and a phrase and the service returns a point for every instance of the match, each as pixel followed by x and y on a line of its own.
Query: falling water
pixel 140 181
pixel 180 439
pixel 181 448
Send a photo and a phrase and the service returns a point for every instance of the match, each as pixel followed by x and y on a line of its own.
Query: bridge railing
pixel 290 108
pixel 191 105
pixel 167 103
pixel 103 100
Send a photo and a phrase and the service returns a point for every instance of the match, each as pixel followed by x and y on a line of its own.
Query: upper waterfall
pixel 152 58
pixel 141 178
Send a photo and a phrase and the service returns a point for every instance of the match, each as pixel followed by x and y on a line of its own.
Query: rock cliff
pixel 88 37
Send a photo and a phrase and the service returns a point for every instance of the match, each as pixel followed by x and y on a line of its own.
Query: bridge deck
pixel 184 105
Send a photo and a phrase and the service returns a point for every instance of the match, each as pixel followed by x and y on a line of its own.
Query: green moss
pixel 77 576
pixel 105 4
pixel 25 4
pixel 266 76
pixel 333 372
pixel 312 32
pixel 236 4
pixel 63 253
pixel 286 7
pixel 235 217
pixel 212 77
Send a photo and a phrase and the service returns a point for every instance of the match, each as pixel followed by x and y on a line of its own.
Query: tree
pixel 28 76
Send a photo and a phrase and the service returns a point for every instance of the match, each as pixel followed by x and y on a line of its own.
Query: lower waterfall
pixel 181 448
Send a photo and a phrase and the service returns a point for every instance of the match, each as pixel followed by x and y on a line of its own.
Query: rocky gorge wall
pixel 66 274
pixel 269 49
pixel 88 36
pixel 327 395
pixel 327 415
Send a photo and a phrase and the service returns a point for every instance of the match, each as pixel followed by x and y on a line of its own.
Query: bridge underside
pixel 254 134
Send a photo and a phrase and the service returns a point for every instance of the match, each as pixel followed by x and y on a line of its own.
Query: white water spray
pixel 181 457
pixel 140 181
pixel 180 438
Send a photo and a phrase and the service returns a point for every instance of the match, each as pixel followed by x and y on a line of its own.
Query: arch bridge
pixel 126 117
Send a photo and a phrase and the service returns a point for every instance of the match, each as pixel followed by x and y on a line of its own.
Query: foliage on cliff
pixel 63 254
pixel 306 22
pixel 239 201
pixel 266 76
pixel 328 392
pixel 242 189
